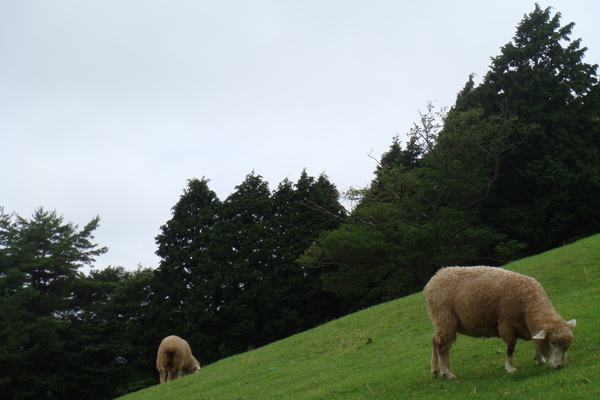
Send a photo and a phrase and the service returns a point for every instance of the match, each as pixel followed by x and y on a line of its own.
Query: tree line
pixel 228 282
pixel 510 170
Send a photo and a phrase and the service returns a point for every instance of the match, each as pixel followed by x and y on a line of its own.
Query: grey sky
pixel 108 107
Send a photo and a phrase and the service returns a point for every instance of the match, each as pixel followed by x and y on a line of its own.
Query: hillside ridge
pixel 383 352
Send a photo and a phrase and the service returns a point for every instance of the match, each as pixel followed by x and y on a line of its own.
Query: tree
pixel 107 326
pixel 512 169
pixel 231 265
pixel 47 254
pixel 246 265
pixel 191 256
pixel 545 194
pixel 418 212
pixel 39 259
pixel 301 212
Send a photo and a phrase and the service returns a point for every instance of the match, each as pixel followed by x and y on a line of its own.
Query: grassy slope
pixel 383 352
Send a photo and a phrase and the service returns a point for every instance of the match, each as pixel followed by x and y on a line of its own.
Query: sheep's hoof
pixel 448 375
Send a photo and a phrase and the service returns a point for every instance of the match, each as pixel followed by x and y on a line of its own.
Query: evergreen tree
pixel 242 287
pixel 188 286
pixel 302 211
pixel 545 194
pixel 418 215
pixel 246 265
pixel 514 164
pixel 108 325
pixel 39 259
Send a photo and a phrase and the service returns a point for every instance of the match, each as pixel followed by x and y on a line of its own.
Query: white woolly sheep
pixel 175 359
pixel 494 302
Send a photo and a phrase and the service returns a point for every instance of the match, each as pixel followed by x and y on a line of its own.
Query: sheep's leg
pixel 435 366
pixel 509 336
pixel 163 375
pixel 510 349
pixel 174 374
pixel 441 346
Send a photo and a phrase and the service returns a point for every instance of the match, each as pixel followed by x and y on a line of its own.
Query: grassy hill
pixel 384 352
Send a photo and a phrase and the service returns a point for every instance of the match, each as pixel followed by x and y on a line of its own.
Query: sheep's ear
pixel 540 335
pixel 572 323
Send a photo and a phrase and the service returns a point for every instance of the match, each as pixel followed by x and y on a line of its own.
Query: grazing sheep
pixel 494 302
pixel 175 359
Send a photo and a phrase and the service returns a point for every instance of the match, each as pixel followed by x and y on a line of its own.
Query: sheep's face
pixel 553 346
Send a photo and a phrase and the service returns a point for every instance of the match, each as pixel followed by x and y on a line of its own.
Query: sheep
pixel 175 359
pixel 494 302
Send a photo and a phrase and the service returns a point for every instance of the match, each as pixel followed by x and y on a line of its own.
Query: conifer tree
pixel 546 191
pixel 39 262
pixel 512 169
pixel 229 279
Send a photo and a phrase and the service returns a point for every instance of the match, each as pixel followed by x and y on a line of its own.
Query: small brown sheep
pixel 494 302
pixel 175 359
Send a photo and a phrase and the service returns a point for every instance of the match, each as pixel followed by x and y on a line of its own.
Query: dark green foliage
pixel 302 212
pixel 187 246
pixel 39 258
pixel 106 328
pixel 545 194
pixel 512 169
pixel 229 280
pixel 246 266
pixel 43 254
pixel 418 213
pixel 396 157
pixel 65 335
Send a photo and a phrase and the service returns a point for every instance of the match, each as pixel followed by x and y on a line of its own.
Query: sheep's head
pixel 554 344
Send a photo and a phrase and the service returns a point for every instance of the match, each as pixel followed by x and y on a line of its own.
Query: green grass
pixel 384 352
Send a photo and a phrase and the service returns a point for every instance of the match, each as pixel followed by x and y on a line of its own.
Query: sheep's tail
pixel 170 356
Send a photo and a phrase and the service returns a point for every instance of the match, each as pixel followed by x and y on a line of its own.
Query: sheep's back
pixel 173 352
pixel 472 300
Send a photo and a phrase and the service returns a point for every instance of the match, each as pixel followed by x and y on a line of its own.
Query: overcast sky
pixel 108 107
